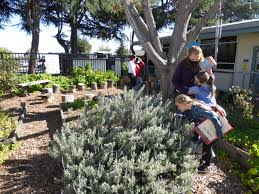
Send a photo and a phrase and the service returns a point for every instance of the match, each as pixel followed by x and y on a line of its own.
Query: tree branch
pixel 141 30
pixel 178 39
pixel 194 32
pixel 153 35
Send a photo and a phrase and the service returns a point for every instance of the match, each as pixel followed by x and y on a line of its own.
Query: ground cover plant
pixel 126 143
pixel 240 115
pixel 245 133
pixel 7 127
pixel 251 177
pixel 80 104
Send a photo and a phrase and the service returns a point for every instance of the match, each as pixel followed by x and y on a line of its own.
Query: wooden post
pixel 24 91
pixel 56 88
pixel 103 85
pixel 110 83
pixel 80 86
pixel 94 86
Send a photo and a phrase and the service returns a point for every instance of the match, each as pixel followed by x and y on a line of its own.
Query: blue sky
pixel 16 40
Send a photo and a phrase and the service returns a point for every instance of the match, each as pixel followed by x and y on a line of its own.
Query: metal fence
pixel 100 62
pixel 20 62
pixel 60 63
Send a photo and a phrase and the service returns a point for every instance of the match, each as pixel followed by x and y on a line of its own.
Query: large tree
pixel 146 31
pixel 30 14
pixel 87 17
pixel 6 12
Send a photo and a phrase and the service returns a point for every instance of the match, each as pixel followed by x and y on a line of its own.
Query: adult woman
pixel 186 70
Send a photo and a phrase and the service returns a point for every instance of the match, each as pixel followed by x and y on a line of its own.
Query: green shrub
pixel 7 127
pixel 124 70
pixel 245 133
pixel 241 102
pixel 251 178
pixel 126 144
pixel 8 68
pixel 77 104
pixel 87 76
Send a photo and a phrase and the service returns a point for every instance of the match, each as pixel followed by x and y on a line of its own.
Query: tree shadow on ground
pixel 38 174
pixel 51 117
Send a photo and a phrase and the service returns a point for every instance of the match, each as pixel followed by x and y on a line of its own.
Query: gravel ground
pixel 218 180
pixel 31 170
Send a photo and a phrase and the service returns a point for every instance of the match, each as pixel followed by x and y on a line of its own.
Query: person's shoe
pixel 202 168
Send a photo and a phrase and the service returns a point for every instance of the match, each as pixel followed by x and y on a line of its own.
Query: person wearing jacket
pixel 183 77
pixel 140 65
pixel 132 71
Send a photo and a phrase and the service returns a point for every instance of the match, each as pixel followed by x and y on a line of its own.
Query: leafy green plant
pixel 80 104
pixel 7 127
pixel 240 102
pixel 251 178
pixel 124 70
pixel 5 150
pixel 63 81
pixel 8 68
pixel 77 104
pixel 245 133
pixel 87 75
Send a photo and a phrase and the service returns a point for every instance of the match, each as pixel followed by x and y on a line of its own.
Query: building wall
pixel 244 56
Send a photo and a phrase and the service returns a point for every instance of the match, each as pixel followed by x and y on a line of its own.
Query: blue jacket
pixel 197 114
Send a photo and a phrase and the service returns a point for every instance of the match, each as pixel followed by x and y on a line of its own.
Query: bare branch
pixel 150 21
pixel 141 30
pixel 194 32
pixel 178 39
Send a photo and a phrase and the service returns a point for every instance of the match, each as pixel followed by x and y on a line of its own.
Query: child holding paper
pixel 208 64
pixel 197 112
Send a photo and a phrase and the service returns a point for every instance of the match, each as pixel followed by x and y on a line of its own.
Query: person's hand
pixel 211 60
pixel 219 110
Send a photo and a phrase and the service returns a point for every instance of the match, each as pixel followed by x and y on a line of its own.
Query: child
pixel 196 111
pixel 208 64
pixel 204 89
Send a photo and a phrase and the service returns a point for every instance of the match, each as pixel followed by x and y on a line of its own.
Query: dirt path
pixel 31 170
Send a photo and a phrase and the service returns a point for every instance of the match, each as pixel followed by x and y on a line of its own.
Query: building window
pixel 226 51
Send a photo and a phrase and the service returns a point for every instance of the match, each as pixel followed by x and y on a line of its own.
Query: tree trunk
pixel 33 12
pixel 34 50
pixel 166 84
pixel 73 38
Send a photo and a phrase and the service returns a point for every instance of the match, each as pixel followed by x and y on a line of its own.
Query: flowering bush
pixel 241 102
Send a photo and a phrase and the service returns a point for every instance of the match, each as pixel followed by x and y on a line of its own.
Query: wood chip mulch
pixel 31 170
